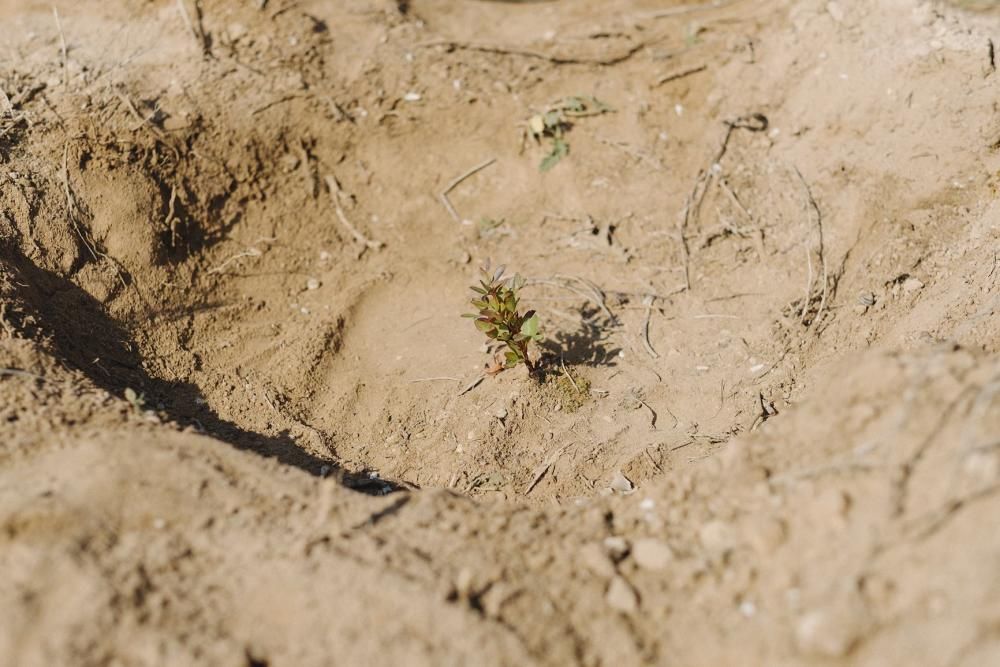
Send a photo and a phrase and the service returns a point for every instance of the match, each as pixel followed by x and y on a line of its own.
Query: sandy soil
pixel 234 431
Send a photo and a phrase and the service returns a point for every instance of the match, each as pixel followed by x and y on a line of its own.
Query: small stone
pixel 621 596
pixel 621 483
pixel 412 97
pixel 236 31
pixel 912 284
pixel 717 538
pixel 312 284
pixel 828 633
pixel 616 547
pixel 595 559
pixel 652 554
pixel 463 582
pixel 501 414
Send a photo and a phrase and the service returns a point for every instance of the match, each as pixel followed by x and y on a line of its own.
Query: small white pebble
pixel 748 608
pixel 412 97
pixel 647 504
pixel 312 284
pixel 159 524
pixel 679 109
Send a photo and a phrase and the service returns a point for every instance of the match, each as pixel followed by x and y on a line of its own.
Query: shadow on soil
pixel 85 337
pixel 587 346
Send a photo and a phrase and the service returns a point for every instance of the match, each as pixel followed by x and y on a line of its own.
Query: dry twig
pixel 540 471
pixel 472 385
pixel 335 192
pixel 454 183
pixel 647 301
pixel 249 252
pixel 555 59
pixel 562 365
pixel 673 76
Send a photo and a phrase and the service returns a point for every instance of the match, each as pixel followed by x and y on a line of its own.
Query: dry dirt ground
pixel 239 423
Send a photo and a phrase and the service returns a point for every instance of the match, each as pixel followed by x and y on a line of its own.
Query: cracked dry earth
pixel 238 417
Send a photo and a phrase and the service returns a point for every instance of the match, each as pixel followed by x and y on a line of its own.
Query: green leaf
pixel 560 149
pixel 530 326
pixel 484 325
pixel 477 290
pixel 469 315
pixel 479 304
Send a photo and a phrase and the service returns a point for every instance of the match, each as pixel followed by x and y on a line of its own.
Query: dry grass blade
pixel 821 249
pixel 17 372
pixel 64 51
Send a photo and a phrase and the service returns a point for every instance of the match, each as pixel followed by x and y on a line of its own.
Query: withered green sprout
pixel 497 300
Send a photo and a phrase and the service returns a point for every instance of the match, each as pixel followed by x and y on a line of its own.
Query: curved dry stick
pixel 454 184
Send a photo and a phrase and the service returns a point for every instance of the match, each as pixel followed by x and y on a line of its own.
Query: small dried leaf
pixel 537 125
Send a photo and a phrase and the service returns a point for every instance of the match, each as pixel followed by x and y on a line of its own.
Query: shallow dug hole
pixel 230 295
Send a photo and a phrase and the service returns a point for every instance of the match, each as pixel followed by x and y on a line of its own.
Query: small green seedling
pixel 556 120
pixel 136 400
pixel 496 300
